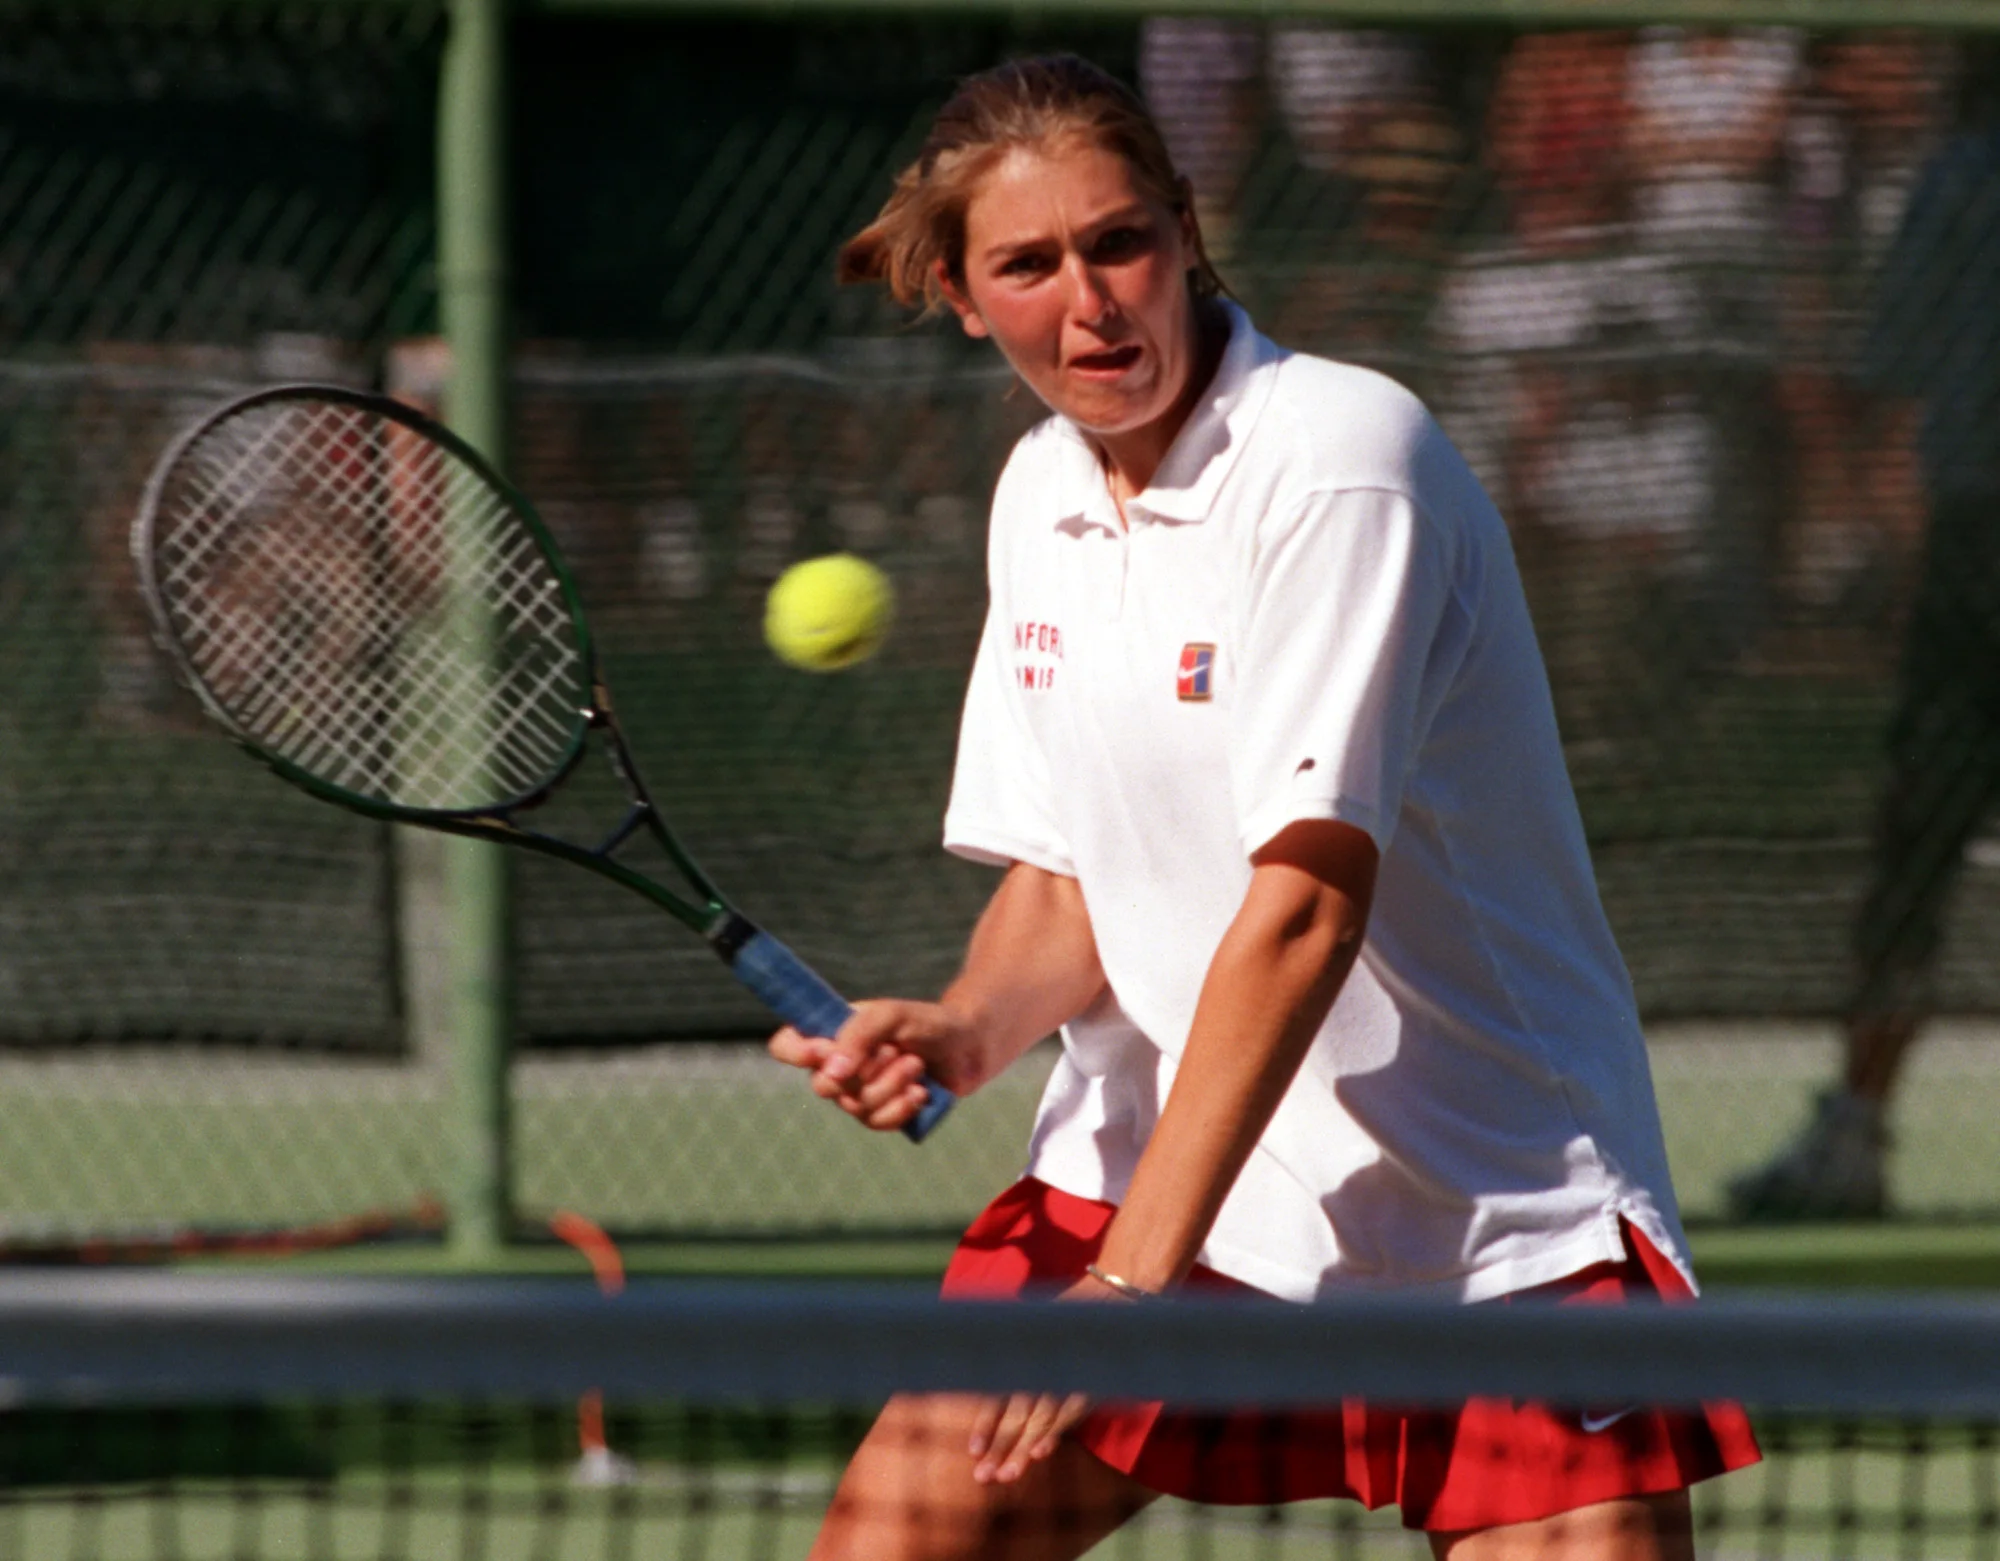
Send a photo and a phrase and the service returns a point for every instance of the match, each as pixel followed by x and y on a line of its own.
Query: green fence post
pixel 472 298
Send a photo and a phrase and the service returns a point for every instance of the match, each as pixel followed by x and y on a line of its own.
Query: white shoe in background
pixel 1832 1170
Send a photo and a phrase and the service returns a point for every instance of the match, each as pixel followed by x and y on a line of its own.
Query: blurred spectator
pixel 1889 83
pixel 1708 113
pixel 1595 480
pixel 770 531
pixel 1202 77
pixel 1365 106
pixel 1851 151
pixel 1556 137
pixel 1332 83
pixel 107 475
pixel 1406 154
pixel 139 399
pixel 1556 143
pixel 1896 85
pixel 1370 137
pixel 1934 337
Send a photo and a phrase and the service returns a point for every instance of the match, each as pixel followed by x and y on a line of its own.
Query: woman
pixel 1257 678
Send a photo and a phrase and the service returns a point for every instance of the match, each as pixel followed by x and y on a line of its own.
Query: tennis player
pixel 1259 731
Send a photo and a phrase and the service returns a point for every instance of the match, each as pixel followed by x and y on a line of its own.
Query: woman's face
pixel 1081 281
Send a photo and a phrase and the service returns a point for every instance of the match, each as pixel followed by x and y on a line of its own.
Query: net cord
pixel 165 1338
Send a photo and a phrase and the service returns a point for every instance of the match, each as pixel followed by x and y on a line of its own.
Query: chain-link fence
pixel 1678 295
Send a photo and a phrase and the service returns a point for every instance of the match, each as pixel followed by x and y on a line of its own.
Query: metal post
pixel 472 298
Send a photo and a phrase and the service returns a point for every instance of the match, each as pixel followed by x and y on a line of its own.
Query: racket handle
pixel 793 991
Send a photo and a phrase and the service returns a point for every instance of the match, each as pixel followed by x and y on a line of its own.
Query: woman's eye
pixel 1121 243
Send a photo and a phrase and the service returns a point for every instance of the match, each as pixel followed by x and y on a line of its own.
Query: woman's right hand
pixel 875 1068
pixel 1031 967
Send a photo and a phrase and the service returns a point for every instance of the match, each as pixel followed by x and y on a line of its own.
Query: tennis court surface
pixel 110 1140
pixel 202 1417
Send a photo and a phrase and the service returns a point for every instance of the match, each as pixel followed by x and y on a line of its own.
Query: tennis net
pixel 196 1417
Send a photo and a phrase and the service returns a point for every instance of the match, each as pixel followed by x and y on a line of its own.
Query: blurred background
pixel 1655 279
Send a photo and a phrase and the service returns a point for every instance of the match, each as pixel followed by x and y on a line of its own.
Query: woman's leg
pixel 1634 1528
pixel 909 1495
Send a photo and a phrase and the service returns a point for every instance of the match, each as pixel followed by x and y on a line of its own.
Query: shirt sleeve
pixel 1339 676
pixel 1002 805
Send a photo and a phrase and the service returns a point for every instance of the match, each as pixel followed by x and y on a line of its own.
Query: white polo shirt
pixel 1315 614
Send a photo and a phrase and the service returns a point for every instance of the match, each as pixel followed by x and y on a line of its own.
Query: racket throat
pixel 638 816
pixel 642 813
pixel 727 934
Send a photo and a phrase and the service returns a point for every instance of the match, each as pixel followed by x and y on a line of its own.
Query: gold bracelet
pixel 1124 1287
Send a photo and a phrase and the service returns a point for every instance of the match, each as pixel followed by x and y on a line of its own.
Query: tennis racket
pixel 371 610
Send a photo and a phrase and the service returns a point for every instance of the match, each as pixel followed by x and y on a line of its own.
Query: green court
pixel 715 1160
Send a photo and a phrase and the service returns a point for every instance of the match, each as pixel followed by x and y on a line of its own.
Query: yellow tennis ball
pixel 828 613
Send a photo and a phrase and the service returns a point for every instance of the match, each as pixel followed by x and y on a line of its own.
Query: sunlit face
pixel 1081 281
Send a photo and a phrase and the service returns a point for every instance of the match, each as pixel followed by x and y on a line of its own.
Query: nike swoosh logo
pixel 1592 1424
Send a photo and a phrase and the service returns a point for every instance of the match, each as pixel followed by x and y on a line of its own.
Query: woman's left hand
pixel 1019 1429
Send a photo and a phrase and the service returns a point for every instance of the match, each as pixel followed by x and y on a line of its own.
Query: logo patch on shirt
pixel 1191 682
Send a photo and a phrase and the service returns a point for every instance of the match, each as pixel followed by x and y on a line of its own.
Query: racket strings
pixel 226 530
pixel 365 605
pixel 357 620
pixel 427 761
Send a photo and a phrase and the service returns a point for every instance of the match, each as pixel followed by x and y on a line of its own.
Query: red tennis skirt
pixel 1487 1463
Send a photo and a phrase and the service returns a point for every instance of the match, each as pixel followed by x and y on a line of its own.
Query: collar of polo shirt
pixel 1184 489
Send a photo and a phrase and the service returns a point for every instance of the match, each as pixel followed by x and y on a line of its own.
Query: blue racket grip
pixel 793 991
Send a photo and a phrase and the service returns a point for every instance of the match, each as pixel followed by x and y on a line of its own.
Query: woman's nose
pixel 1090 299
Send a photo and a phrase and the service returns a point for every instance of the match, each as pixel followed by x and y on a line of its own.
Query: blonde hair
pixel 1024 103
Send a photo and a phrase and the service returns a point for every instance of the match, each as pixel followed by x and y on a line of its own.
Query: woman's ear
pixel 969 320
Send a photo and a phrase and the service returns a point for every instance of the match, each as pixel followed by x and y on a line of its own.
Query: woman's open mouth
pixel 1109 361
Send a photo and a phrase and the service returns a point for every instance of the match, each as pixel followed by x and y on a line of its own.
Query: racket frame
pixel 763 964
pixel 490 821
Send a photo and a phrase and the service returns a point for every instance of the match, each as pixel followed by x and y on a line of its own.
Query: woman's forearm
pixel 1031 966
pixel 1268 990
